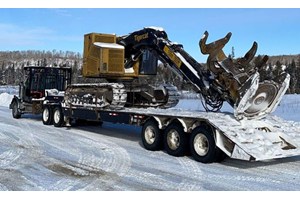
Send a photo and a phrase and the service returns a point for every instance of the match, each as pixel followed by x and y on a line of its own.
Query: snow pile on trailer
pixel 263 139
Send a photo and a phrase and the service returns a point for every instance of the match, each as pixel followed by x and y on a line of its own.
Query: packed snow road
pixel 38 157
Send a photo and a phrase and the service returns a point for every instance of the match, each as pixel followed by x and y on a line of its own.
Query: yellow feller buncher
pixel 123 60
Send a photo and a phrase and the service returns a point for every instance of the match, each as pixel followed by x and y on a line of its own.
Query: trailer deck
pixel 262 139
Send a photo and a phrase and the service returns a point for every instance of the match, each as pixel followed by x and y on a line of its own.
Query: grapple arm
pixel 246 93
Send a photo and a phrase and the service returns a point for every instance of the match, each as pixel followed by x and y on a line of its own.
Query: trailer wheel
pixel 58 117
pixel 15 110
pixel 151 136
pixel 175 140
pixel 47 116
pixel 202 145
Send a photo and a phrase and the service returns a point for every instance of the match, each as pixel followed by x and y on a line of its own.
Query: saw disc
pixel 263 98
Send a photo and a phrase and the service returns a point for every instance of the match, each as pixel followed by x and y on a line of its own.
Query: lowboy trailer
pixel 208 136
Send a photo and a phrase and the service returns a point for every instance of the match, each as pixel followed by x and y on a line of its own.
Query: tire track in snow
pixel 190 170
pixel 23 151
pixel 155 171
pixel 82 153
pixel 10 156
pixel 10 144
pixel 107 157
pixel 3 187
pixel 23 138
pixel 274 174
pixel 61 156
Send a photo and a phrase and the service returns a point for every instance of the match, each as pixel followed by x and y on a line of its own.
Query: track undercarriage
pixel 119 95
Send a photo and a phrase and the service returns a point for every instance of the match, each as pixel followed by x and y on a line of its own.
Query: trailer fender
pixel 184 125
pixel 162 122
pixel 159 122
pixel 52 104
pixel 45 102
pixel 223 143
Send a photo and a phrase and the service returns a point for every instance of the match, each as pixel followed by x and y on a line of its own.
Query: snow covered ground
pixel 9 89
pixel 38 157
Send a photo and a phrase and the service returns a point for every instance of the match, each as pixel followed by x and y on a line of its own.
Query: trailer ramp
pixel 263 139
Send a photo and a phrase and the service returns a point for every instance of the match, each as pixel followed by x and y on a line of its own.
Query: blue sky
pixel 275 30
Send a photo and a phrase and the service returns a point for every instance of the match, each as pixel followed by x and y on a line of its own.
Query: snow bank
pixel 5 99
pixel 9 89
pixel 289 107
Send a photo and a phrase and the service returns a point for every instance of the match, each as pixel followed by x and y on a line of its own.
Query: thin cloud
pixel 12 37
pixel 62 12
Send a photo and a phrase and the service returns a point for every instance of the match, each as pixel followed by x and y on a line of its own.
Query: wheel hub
pixel 46 114
pixel 201 144
pixel 56 116
pixel 173 139
pixel 149 135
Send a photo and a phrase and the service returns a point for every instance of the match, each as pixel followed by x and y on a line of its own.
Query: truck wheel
pixel 15 110
pixel 58 117
pixel 202 145
pixel 47 116
pixel 175 140
pixel 151 136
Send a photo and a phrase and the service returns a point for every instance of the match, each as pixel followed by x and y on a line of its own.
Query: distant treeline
pixel 287 63
pixel 13 62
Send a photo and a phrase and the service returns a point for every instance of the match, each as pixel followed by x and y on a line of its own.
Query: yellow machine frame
pixel 103 57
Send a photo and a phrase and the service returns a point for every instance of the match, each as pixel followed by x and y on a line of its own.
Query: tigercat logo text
pixel 138 38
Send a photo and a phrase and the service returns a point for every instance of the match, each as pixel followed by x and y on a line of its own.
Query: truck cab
pixel 40 84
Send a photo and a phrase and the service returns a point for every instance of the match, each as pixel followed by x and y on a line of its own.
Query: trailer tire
pixel 58 117
pixel 47 115
pixel 175 140
pixel 15 110
pixel 202 145
pixel 152 137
